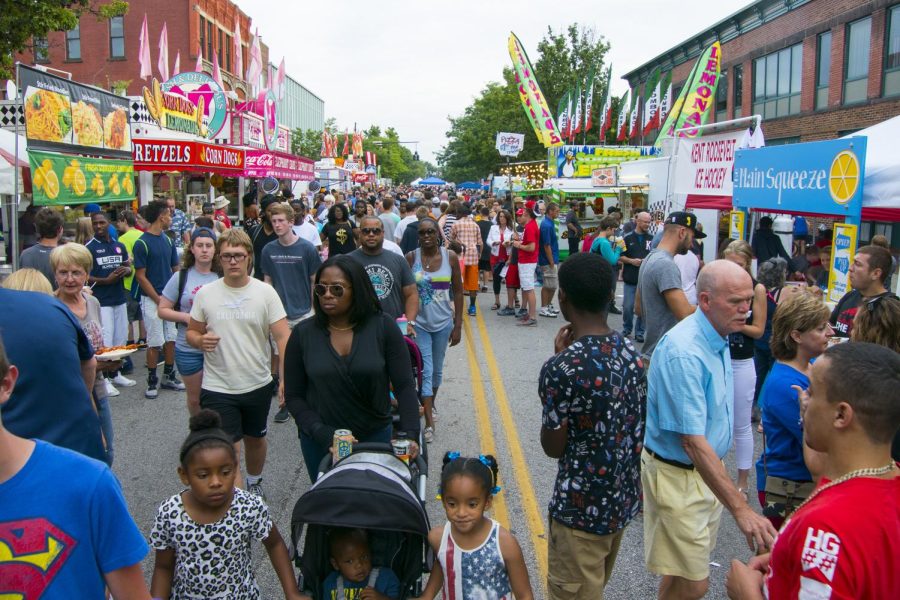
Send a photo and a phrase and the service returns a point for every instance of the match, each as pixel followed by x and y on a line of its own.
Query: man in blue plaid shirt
pixel 180 231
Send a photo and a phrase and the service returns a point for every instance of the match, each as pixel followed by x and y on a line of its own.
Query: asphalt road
pixel 487 404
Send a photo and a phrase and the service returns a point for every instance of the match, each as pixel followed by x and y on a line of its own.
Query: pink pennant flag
pixel 177 68
pixel 279 81
pixel 217 74
pixel 162 63
pixel 254 69
pixel 198 68
pixel 238 47
pixel 144 52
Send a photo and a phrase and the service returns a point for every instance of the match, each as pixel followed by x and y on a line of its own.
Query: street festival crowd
pixel 315 303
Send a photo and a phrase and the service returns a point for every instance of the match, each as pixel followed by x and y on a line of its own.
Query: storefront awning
pixel 187 155
pixel 266 163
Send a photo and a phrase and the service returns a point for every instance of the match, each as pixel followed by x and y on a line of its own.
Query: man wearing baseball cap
pixel 660 300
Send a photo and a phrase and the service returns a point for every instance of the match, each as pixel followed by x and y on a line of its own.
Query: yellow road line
pixel 483 419
pixel 534 516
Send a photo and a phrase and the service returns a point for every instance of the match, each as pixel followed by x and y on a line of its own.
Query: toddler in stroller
pixel 371 490
pixel 353 575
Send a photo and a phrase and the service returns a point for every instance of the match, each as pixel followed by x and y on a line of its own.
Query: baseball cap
pixel 520 212
pixel 685 219
pixel 91 208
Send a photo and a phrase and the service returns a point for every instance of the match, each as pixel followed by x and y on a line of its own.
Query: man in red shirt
pixel 840 543
pixel 528 258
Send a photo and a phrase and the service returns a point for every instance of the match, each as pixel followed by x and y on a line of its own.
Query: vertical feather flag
pixel 665 98
pixel 177 68
pixel 589 100
pixel 323 151
pixel 562 117
pixel 633 128
pixel 622 123
pixel 576 128
pixel 144 52
pixel 606 109
pixel 162 63
pixel 346 150
pixel 254 69
pixel 279 81
pixel 569 112
pixel 198 68
pixel 238 46
pixel 533 101
pixel 651 103
pixel 217 74
pixel 697 99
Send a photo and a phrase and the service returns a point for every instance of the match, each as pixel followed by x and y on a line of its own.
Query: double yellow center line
pixel 525 486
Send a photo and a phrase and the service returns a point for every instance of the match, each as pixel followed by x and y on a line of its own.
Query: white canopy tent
pixel 881 187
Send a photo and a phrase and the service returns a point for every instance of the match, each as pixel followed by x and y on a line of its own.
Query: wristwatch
pixel 413 323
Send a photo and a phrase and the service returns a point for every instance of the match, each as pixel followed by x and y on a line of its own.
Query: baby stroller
pixel 373 490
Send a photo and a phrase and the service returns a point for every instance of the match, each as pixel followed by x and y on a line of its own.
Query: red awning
pixel 270 163
pixel 182 155
pixel 713 202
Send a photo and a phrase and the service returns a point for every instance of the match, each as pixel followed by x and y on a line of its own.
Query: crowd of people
pixel 325 305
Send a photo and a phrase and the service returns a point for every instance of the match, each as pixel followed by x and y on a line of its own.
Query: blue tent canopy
pixel 468 185
pixel 432 181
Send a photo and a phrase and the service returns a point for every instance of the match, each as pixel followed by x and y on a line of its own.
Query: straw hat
pixel 221 202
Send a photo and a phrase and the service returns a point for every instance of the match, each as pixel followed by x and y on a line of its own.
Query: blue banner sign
pixel 815 177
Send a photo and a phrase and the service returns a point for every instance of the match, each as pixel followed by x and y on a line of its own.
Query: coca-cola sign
pixel 260 163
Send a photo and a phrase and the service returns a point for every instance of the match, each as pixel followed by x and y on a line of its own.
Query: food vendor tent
pixel 432 181
pixel 881 189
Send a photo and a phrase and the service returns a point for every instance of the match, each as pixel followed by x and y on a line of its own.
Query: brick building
pixel 814 69
pixel 104 53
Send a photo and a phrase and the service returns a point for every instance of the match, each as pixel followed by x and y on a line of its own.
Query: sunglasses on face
pixel 336 289
pixel 371 230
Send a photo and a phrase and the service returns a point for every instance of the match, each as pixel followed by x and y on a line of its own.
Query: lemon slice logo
pixel 843 178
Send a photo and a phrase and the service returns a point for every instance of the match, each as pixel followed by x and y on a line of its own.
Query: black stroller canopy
pixel 367 491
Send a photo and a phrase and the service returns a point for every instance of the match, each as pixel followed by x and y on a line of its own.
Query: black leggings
pixel 496 281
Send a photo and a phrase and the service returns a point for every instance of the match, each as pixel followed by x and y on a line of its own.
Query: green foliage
pixel 563 60
pixel 22 20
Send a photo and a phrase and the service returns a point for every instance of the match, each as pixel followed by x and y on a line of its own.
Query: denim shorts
pixel 188 363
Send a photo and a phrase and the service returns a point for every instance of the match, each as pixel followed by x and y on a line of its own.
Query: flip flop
pixel 495 307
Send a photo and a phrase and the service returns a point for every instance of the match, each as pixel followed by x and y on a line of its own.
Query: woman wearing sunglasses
pixel 439 321
pixel 341 365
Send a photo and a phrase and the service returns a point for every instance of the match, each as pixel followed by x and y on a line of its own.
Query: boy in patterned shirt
pixel 593 393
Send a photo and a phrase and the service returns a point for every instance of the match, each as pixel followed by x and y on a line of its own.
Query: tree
pixel 563 59
pixel 21 21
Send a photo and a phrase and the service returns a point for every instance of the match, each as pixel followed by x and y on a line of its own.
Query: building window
pixel 823 68
pixel 856 78
pixel 73 43
pixel 892 60
pixel 221 46
pixel 228 42
pixel 41 50
pixel 783 141
pixel 209 41
pixel 117 37
pixel 738 86
pixel 202 34
pixel 722 98
pixel 776 83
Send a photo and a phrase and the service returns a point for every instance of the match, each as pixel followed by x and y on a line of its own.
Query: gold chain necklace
pixel 340 328
pixel 867 472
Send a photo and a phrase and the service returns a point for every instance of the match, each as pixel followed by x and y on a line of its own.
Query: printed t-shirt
pixel 386 583
pixel 290 268
pixel 548 237
pixel 64 524
pixel 389 274
pixel 108 256
pixel 195 281
pixel 842 545
pixel 39 332
pixel 241 317
pixel 128 239
pixel 843 314
pixel 340 238
pixel 658 274
pixel 637 245
pixel 529 236
pixel 156 254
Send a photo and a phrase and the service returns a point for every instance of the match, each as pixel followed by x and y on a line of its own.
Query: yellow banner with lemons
pixel 58 179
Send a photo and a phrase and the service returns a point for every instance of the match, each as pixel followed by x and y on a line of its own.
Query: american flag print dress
pixel 478 574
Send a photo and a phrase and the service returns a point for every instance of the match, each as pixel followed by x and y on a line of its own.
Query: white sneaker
pixel 553 309
pixel 546 312
pixel 111 390
pixel 123 381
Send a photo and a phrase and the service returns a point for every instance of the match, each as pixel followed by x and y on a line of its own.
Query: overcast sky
pixel 411 63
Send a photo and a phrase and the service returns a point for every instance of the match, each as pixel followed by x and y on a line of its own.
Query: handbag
pixel 782 496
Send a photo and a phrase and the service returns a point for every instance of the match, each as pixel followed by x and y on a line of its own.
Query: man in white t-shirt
pixel 231 321
pixel 407 216
pixel 304 228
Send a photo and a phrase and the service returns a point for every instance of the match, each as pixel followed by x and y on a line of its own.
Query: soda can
pixel 343 443
pixel 402 449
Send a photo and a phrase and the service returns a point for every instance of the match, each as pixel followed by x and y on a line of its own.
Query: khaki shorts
pixel 549 273
pixel 681 520
pixel 580 564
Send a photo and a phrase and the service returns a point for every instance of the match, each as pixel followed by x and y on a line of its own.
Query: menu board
pixel 64 116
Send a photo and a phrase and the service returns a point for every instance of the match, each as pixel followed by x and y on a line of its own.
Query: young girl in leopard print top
pixel 202 535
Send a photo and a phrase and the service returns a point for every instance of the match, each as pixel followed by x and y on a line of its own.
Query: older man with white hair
pixel 689 430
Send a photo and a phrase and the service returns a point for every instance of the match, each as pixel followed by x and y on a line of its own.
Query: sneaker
pixel 152 390
pixel 256 488
pixel 142 341
pixel 527 323
pixel 639 339
pixel 553 309
pixel 282 416
pixel 127 366
pixel 546 312
pixel 111 390
pixel 171 382
pixel 428 435
pixel 471 311
pixel 123 381
pixel 506 312
pixel 521 313
pixel 614 310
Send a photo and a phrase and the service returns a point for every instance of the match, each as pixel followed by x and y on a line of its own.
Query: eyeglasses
pixel 336 289
pixel 232 258
pixel 371 230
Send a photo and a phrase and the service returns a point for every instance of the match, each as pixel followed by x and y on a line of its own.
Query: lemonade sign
pixel 60 179
pixel 816 177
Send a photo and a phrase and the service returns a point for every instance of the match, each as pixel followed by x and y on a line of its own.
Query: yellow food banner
pixel 60 179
